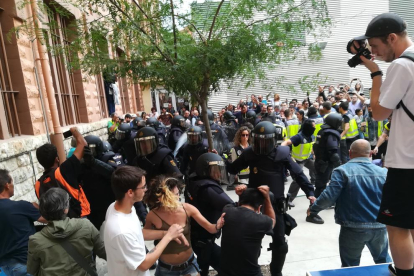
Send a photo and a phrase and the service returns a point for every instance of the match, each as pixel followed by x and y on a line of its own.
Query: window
pixel 66 93
pixel 123 86
pixel 9 123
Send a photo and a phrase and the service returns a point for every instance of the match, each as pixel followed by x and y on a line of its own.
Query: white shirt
pixel 399 85
pixel 124 243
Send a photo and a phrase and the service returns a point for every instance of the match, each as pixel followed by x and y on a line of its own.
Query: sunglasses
pixel 245 135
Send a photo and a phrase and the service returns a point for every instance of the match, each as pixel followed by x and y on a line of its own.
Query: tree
pixel 192 52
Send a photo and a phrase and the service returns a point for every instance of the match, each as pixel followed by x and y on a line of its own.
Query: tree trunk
pixel 206 122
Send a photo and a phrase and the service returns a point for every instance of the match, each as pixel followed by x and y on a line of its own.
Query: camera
pixel 361 51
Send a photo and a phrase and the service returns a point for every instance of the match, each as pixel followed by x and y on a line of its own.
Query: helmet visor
pixel 145 145
pixel 194 138
pixel 182 123
pixel 92 147
pixel 217 170
pixel 263 144
pixel 120 135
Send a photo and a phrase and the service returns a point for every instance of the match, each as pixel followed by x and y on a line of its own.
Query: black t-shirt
pixel 242 239
pixel 346 119
pixel 71 171
pixel 16 220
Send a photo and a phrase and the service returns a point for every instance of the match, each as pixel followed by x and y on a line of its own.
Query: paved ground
pixel 311 247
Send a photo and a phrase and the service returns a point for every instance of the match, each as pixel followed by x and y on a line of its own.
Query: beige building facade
pixel 41 98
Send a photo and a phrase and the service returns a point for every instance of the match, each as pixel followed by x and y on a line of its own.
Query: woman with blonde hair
pixel 276 99
pixel 241 142
pixel 162 198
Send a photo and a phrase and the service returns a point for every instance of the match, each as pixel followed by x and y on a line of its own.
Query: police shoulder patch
pixel 173 163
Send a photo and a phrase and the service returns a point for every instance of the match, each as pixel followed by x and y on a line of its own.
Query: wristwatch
pixel 377 73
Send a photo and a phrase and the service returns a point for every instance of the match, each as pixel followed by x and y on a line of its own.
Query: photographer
pixel 387 36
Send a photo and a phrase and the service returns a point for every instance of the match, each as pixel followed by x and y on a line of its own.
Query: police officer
pixel 251 118
pixel 161 132
pixel 230 127
pixel 326 155
pixel 302 144
pixel 96 180
pixel 178 126
pixel 220 140
pixel 267 164
pixel 349 133
pixel 205 193
pixel 153 157
pixel 122 134
pixel 194 148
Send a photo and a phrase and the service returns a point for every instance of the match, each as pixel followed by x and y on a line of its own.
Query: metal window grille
pixel 67 98
pixel 8 103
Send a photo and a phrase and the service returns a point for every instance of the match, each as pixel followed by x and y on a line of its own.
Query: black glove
pixel 88 158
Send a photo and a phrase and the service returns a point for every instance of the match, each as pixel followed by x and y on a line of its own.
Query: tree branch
pixel 174 30
pixel 143 31
pixel 148 18
pixel 277 15
pixel 195 28
pixel 214 20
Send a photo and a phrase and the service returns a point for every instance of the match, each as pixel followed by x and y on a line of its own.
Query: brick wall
pixel 18 156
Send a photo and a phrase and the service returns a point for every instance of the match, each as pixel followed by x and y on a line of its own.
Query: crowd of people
pixel 107 197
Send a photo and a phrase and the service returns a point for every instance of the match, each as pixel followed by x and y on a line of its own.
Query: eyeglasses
pixel 245 135
pixel 142 188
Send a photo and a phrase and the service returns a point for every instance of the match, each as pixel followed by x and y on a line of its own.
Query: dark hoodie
pixel 47 257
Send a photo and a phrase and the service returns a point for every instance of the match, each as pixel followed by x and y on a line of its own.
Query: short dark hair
pixel 400 34
pixel 251 197
pixel 327 105
pixel 46 155
pixel 287 112
pixel 4 179
pixel 242 105
pixel 128 116
pixel 344 106
pixel 357 110
pixel 125 178
pixel 312 111
pixel 52 204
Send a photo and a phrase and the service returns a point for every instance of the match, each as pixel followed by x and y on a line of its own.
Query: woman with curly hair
pixel 241 141
pixel 162 198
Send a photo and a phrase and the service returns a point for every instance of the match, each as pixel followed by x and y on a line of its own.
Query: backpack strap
pixel 409 56
pixel 71 250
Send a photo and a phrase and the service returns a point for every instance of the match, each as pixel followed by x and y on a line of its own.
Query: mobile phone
pixel 67 134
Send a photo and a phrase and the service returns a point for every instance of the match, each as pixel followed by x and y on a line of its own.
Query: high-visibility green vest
pixel 318 123
pixel 292 128
pixel 379 130
pixel 353 128
pixel 302 152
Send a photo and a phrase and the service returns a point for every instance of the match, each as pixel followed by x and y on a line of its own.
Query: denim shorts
pixel 192 269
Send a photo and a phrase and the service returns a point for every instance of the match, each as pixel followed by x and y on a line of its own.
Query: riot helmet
pixel 194 135
pixel 95 145
pixel 251 117
pixel 333 120
pixel 123 131
pixel 178 121
pixel 106 146
pixel 211 165
pixel 138 123
pixel 210 116
pixel 154 123
pixel 228 116
pixel 146 141
pixel 264 138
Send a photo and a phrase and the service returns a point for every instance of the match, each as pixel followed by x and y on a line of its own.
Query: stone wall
pixel 18 156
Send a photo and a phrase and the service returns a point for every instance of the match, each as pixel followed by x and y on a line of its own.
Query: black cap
pixel 384 24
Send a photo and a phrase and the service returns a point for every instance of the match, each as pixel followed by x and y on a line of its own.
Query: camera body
pixel 361 51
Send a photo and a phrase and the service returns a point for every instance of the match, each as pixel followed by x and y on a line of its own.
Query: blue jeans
pixel 353 240
pixel 191 270
pixel 13 268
